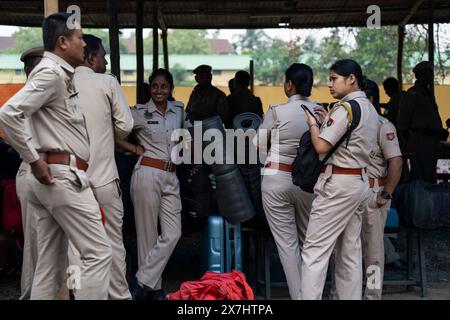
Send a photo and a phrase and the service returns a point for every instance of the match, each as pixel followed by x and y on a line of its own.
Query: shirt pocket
pixel 73 108
pixel 157 132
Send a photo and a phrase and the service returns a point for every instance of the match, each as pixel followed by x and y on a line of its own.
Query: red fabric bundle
pixel 215 286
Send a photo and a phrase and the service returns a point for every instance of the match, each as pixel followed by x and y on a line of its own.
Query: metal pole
pixel 401 37
pixel 431 38
pixel 139 52
pixel 165 49
pixel 113 25
pixel 155 39
pixel 251 75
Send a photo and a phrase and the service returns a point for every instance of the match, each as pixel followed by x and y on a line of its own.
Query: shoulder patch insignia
pixel 148 115
pixel 390 136
pixel 330 122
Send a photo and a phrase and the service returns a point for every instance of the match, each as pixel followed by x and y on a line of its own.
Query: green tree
pixel 181 42
pixel 26 38
pixel 180 76
pixel 376 52
pixel 272 60
pixel 253 39
pixel 332 48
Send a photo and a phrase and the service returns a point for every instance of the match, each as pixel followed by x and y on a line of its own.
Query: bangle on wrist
pixel 314 125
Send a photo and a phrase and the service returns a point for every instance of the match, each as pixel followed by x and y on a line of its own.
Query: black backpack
pixel 307 165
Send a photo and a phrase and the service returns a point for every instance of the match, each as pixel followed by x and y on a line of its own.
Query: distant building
pixel 220 46
pixel 7 42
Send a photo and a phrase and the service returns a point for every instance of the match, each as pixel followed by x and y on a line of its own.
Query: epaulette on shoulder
pixel 178 104
pixel 139 106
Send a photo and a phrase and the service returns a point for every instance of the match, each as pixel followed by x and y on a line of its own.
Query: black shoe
pixel 137 292
pixel 155 295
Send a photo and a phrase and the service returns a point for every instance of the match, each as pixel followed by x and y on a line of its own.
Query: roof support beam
pixel 431 37
pixel 113 26
pixel 155 39
pixel 401 37
pixel 140 94
pixel 411 13
pixel 163 27
pixel 50 6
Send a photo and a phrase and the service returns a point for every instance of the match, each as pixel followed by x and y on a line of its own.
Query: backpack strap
pixel 354 116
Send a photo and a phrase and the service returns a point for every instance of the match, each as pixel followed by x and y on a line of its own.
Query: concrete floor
pixel 185 265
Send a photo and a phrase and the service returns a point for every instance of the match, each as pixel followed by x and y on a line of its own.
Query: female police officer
pixel 341 192
pixel 154 185
pixel 286 205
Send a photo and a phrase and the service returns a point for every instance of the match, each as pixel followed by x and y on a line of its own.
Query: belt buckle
pixel 166 165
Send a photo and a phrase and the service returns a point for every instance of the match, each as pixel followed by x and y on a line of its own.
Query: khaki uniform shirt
pixel 107 114
pixel 207 103
pixel 362 139
pixel 154 129
pixel 387 147
pixel 50 101
pixel 291 126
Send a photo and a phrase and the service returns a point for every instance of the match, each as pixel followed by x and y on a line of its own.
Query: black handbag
pixel 423 205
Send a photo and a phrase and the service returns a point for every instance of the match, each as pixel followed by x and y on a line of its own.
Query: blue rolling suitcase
pixel 221 246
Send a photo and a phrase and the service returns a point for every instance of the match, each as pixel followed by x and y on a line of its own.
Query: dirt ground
pixel 185 264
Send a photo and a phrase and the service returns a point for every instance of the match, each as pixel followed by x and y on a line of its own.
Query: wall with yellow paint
pixel 275 95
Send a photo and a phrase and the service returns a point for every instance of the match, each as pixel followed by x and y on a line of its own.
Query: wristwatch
pixel 386 195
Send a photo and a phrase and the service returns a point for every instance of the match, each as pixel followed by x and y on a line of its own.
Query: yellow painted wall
pixel 275 95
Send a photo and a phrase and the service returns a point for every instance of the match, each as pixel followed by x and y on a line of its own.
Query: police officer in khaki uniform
pixel 58 151
pixel 154 185
pixel 342 190
pixel 30 58
pixel 107 115
pixel 287 206
pixel 206 100
pixel 384 173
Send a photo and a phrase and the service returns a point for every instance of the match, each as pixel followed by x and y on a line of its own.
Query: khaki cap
pixel 33 52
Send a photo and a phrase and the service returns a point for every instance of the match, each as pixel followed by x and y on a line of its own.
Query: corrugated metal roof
pixel 231 13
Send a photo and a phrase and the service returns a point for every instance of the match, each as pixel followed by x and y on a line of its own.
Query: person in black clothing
pixel 392 88
pixel 242 100
pixel 420 125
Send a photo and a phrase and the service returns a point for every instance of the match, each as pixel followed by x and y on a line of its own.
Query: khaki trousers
pixel 156 196
pixel 30 249
pixel 110 200
pixel 67 210
pixel 335 224
pixel 373 222
pixel 287 209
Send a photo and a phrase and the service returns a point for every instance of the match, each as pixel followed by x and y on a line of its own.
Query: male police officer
pixel 58 152
pixel 30 58
pixel 107 114
pixel 206 100
pixel 420 125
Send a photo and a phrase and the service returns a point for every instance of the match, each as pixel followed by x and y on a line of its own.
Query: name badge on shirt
pixel 152 122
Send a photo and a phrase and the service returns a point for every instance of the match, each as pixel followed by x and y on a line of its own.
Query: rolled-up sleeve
pixel 36 93
pixel 121 114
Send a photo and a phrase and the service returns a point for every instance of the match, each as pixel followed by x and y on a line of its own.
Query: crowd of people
pixel 69 118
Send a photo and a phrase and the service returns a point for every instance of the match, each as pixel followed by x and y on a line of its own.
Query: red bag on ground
pixel 11 211
pixel 215 286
